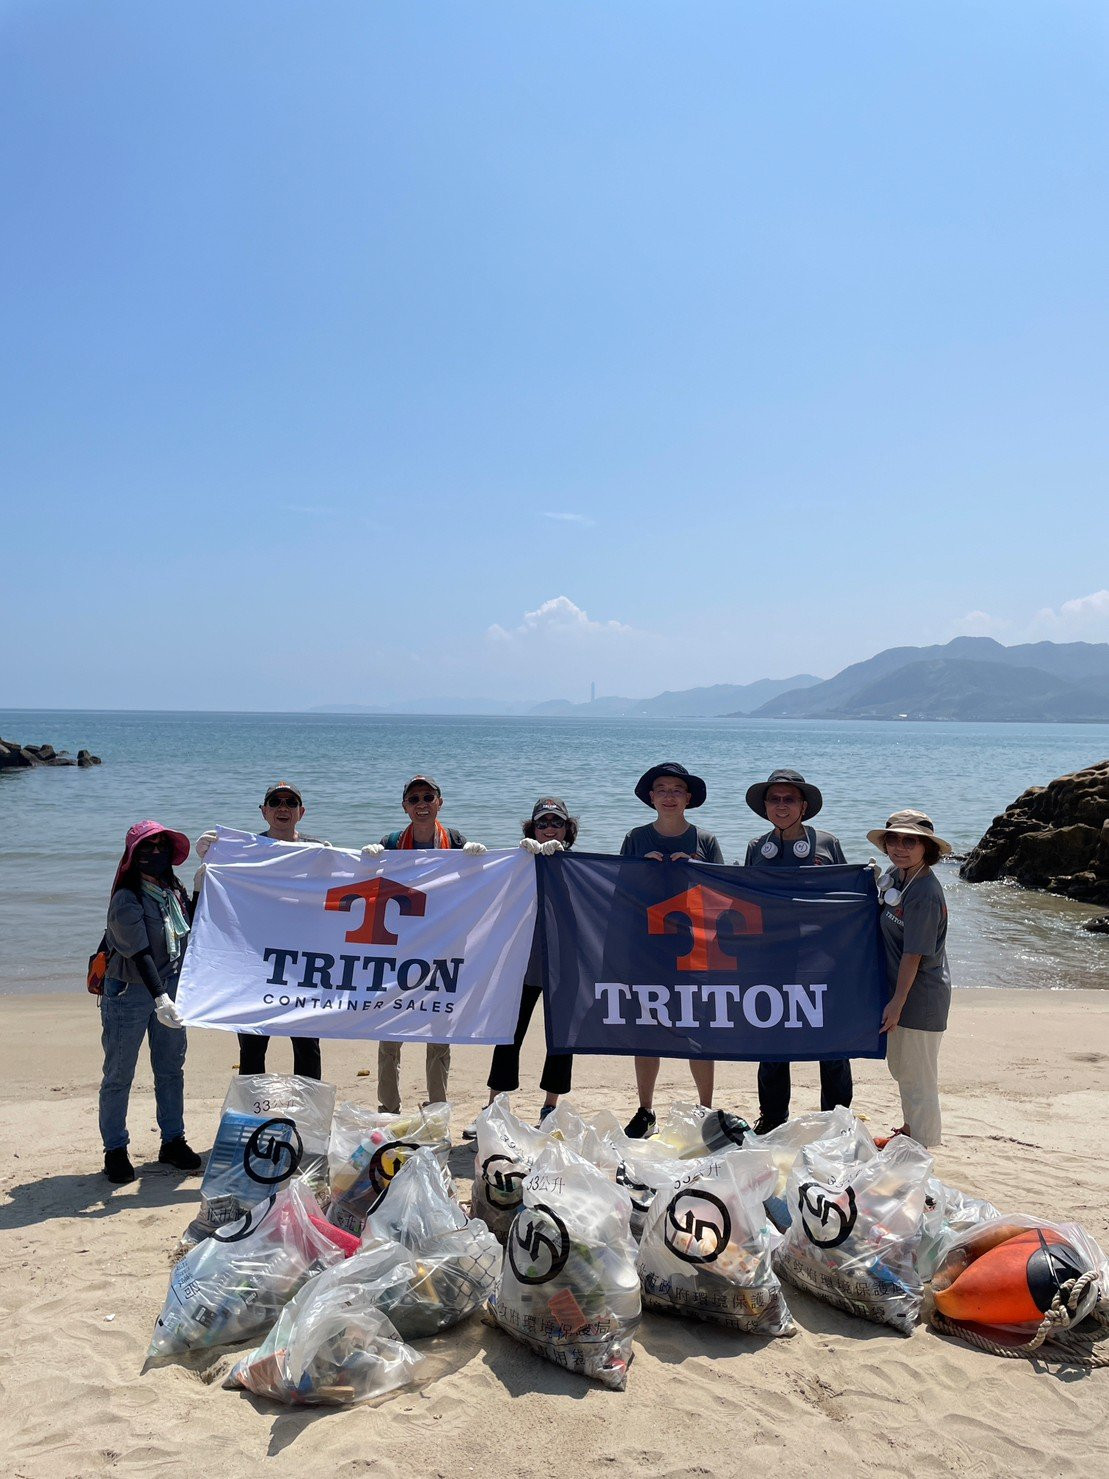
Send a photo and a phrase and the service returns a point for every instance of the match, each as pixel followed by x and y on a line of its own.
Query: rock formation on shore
pixel 1053 837
pixel 14 756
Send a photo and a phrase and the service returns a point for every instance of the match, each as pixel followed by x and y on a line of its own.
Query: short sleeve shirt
pixel 694 840
pixel 917 925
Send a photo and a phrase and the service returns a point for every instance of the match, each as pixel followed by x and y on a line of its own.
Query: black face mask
pixel 153 859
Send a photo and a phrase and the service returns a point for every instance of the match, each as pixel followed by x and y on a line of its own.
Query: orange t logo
pixel 375 893
pixel 704 908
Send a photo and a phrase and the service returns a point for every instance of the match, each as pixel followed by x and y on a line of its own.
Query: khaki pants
pixel 388 1074
pixel 913 1057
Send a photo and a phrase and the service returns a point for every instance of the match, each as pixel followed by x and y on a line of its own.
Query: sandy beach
pixel 84 1270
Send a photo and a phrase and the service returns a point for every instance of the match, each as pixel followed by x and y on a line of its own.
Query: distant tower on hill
pixel 592 693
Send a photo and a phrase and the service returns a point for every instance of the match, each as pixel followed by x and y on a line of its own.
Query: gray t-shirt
pixel 769 851
pixel 694 840
pixel 917 925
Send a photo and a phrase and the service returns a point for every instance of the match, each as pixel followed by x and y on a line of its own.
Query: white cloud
pixel 559 620
pixel 565 518
pixel 980 624
pixel 1081 617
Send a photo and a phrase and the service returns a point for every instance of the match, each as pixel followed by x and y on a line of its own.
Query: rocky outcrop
pixel 14 756
pixel 1053 837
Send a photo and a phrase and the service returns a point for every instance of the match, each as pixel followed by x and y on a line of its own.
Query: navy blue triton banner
pixel 695 960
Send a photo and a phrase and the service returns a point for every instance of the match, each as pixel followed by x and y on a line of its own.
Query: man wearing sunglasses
pixel 283 809
pixel 785 801
pixel 422 801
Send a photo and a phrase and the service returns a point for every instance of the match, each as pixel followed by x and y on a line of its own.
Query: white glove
pixel 529 844
pixel 548 849
pixel 474 849
pixel 166 1008
pixel 372 850
pixel 204 842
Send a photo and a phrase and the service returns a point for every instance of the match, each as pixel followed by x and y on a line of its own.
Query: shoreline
pixel 1025 1095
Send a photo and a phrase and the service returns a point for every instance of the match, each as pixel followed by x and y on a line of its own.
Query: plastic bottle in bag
pixel 366 1150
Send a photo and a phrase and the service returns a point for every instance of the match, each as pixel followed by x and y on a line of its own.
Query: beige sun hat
pixel 913 824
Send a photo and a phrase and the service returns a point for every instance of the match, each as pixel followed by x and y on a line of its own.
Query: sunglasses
pixel 427 797
pixel 283 800
pixel 550 823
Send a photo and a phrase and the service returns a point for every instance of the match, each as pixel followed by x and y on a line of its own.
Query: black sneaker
pixel 764 1124
pixel 180 1154
pixel 118 1167
pixel 641 1124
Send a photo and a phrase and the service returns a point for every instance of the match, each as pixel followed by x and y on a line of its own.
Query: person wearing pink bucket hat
pixel 148 925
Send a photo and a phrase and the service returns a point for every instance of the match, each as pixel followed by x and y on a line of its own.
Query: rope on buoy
pixel 1056 1327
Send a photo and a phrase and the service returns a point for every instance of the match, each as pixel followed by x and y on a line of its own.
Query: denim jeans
pixel 126 1017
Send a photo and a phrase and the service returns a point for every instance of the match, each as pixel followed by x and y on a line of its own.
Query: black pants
pixel 306 1055
pixel 774 1087
pixel 504 1071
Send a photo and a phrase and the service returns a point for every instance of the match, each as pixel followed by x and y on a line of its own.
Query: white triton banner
pixel 300 940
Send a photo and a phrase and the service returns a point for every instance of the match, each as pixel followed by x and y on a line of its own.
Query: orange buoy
pixel 1012 1283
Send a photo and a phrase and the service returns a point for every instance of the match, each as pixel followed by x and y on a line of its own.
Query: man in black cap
pixel 671 790
pixel 785 800
pixel 422 801
pixel 283 809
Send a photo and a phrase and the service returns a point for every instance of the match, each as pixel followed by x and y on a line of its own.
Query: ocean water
pixel 61 830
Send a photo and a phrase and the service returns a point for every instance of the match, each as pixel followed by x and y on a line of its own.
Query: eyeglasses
pixel 427 797
pixel 550 823
pixel 790 800
pixel 282 800
pixel 670 791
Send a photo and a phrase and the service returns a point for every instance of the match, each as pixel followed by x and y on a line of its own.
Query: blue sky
pixel 358 353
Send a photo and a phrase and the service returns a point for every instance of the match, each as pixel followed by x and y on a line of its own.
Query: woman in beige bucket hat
pixel 914 933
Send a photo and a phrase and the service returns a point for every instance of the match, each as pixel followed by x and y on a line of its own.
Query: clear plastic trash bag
pixel 855 1231
pixel 273 1127
pixel 417 1204
pixel 707 1246
pixel 642 1166
pixel 232 1285
pixel 456 1258
pixel 366 1150
pixel 505 1149
pixel 331 1347
pixel 843 1137
pixel 948 1212
pixel 568 1287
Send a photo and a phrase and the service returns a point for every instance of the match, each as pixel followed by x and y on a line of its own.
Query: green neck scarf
pixel 173 917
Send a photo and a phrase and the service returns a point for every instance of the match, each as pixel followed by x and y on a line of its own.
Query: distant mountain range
pixel 687 703
pixel 969 678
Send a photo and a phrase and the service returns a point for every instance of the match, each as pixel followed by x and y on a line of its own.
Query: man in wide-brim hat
pixel 786 799
pixel 672 791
